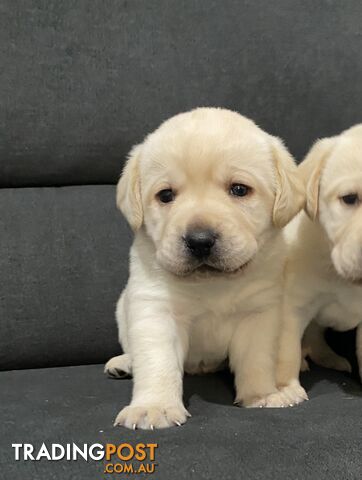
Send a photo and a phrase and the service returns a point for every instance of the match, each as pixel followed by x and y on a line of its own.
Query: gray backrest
pixel 80 82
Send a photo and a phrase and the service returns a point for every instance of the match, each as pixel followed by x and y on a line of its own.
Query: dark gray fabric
pixel 82 81
pixel 63 263
pixel 320 439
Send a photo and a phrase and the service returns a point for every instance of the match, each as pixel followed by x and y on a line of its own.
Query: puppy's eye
pixel 166 196
pixel 350 199
pixel 239 190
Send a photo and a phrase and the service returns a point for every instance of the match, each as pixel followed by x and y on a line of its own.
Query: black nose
pixel 200 242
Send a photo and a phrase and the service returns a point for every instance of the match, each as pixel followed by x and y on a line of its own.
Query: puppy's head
pixel 332 173
pixel 209 187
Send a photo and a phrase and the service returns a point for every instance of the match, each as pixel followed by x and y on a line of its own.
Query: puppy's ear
pixel 129 190
pixel 310 171
pixel 290 192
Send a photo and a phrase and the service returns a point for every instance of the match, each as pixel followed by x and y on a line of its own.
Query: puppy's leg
pixel 252 359
pixel 121 365
pixel 318 350
pixel 289 359
pixel 157 364
pixel 359 348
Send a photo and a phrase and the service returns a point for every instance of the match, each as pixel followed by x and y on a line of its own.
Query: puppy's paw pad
pixel 151 417
pixel 119 367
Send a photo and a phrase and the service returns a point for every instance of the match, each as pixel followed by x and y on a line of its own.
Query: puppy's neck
pixel 314 238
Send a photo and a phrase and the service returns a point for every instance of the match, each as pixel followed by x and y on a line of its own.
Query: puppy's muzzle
pixel 200 242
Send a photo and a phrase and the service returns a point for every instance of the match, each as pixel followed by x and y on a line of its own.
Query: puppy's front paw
pixel 287 396
pixel 294 393
pixel 152 416
pixel 272 400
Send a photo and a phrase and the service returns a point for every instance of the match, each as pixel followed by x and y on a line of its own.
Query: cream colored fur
pixel 324 270
pixel 176 315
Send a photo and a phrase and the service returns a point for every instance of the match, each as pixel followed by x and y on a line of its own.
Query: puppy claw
pixel 151 417
pixel 305 395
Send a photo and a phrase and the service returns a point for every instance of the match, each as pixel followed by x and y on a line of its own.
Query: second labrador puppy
pixel 206 194
pixel 324 268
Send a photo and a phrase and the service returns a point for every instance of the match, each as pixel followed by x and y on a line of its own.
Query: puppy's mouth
pixel 210 270
pixel 216 266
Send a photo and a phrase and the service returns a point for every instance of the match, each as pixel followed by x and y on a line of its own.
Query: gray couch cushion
pixel 319 440
pixel 82 81
pixel 63 263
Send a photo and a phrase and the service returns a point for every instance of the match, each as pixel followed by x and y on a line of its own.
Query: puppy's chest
pixel 344 311
pixel 231 303
pixel 209 339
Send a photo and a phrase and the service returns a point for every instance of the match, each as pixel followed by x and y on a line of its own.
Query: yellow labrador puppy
pixel 324 269
pixel 206 194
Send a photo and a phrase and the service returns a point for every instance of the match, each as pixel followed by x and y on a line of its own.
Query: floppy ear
pixel 310 171
pixel 129 190
pixel 290 193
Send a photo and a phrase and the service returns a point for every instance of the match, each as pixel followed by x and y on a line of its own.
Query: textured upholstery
pixel 318 440
pixel 63 263
pixel 82 81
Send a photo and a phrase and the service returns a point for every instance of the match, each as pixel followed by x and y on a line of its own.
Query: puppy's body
pixel 313 286
pixel 206 195
pixel 324 267
pixel 206 313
